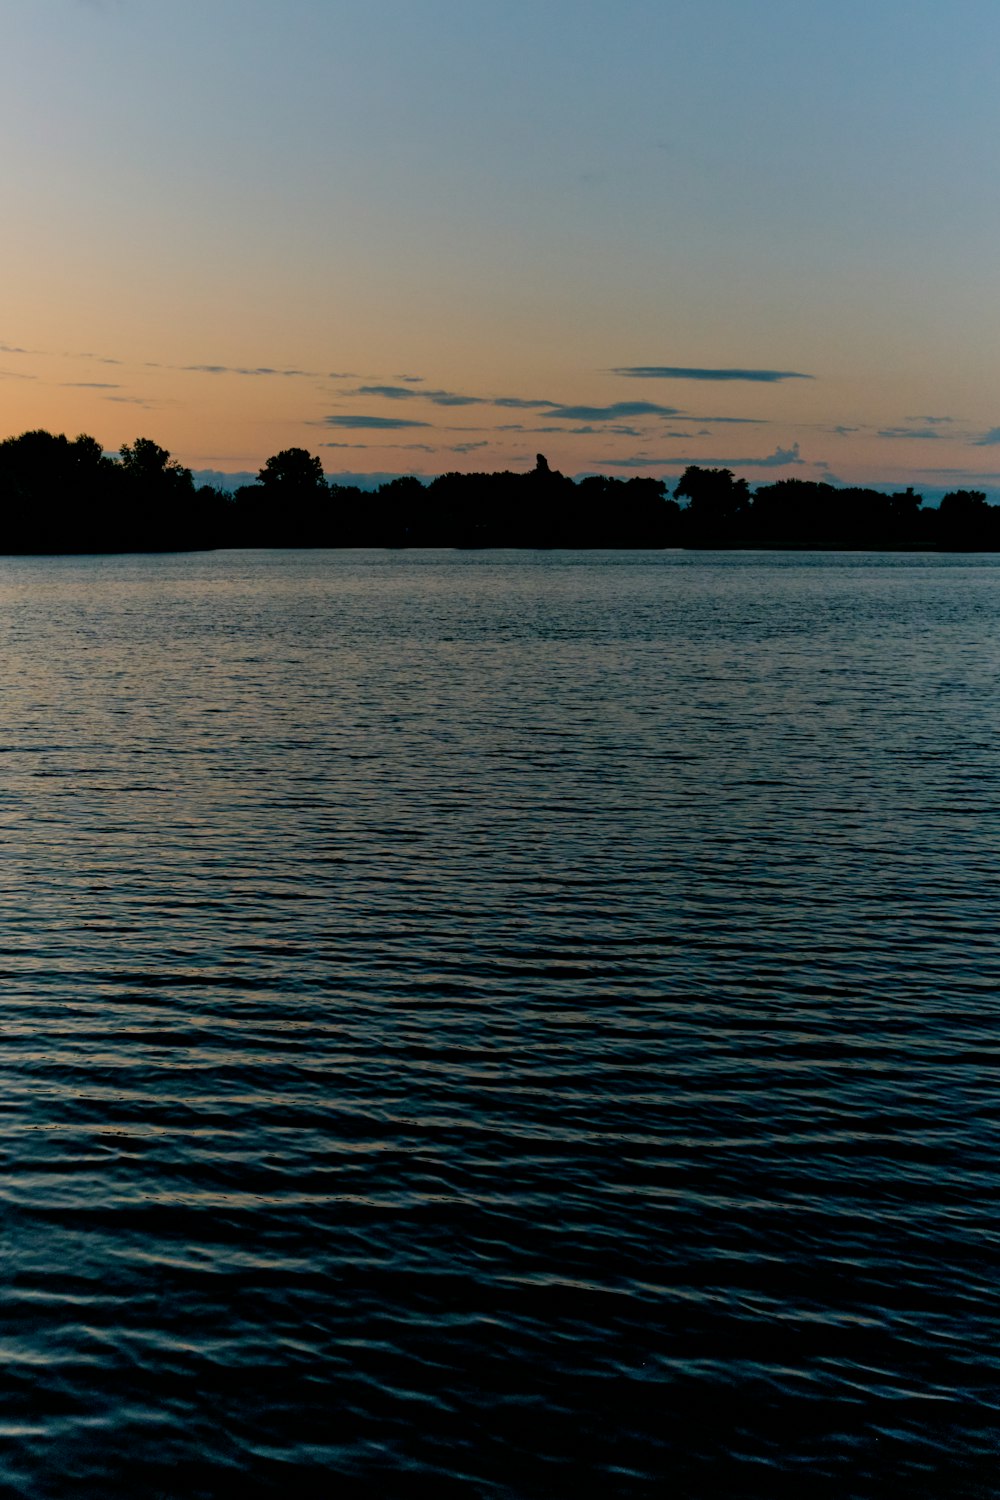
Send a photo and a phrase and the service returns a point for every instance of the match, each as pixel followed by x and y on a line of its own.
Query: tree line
pixel 63 495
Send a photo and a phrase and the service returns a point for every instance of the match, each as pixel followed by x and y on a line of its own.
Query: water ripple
pixel 499 1025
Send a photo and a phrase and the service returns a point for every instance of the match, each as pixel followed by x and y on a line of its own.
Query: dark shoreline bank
pixel 62 497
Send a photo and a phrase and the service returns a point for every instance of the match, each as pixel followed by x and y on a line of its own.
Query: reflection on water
pixel 500 1025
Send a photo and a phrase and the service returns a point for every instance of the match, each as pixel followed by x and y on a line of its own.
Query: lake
pixel 500 1024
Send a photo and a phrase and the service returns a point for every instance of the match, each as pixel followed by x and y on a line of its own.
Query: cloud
pixel 16 349
pixel 844 431
pixel 452 398
pixel 246 370
pixel 931 421
pixel 988 439
pixel 404 393
pixel 390 392
pixel 90 385
pixel 926 434
pixel 553 409
pixel 449 398
pixel 684 372
pixel 383 424
pixel 396 447
pixel 779 459
pixel 584 430
pixel 964 473
pixel 469 447
pixel 518 403
pixel 367 481
pixel 776 460
pixel 222 480
pixel 615 411
pixel 733 421
pixel 411 379
pixel 16 375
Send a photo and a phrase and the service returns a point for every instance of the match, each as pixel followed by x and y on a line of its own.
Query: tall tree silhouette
pixel 718 504
pixel 292 472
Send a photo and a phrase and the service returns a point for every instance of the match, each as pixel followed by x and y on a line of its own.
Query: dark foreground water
pixel 500 1024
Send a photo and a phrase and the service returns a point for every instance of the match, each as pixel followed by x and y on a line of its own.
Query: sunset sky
pixel 422 235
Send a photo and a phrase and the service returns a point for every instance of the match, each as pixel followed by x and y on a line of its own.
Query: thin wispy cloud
pixel 16 375
pixel 988 439
pixel 585 430
pixel 614 412
pixel 694 372
pixel 925 434
pixel 375 424
pixel 247 370
pixel 519 403
pixel 407 393
pixel 395 447
pixel 973 474
pixel 90 385
pixel 390 392
pixel 733 421
pixel 417 392
pixel 779 459
pixel 545 431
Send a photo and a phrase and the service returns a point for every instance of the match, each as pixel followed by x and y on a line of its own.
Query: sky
pixel 416 236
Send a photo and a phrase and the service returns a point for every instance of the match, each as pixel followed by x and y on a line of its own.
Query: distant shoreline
pixel 62 497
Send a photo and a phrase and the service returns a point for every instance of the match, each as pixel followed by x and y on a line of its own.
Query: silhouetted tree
pixel 288 506
pixel 966 522
pixel 398 512
pixel 156 508
pixel 718 504
pixel 293 471
pixel 54 492
pixel 152 468
pixel 791 513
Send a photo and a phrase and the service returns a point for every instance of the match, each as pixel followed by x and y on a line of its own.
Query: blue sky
pixel 236 225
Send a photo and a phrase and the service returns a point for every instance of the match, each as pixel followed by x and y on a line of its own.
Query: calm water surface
pixel 500 1024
